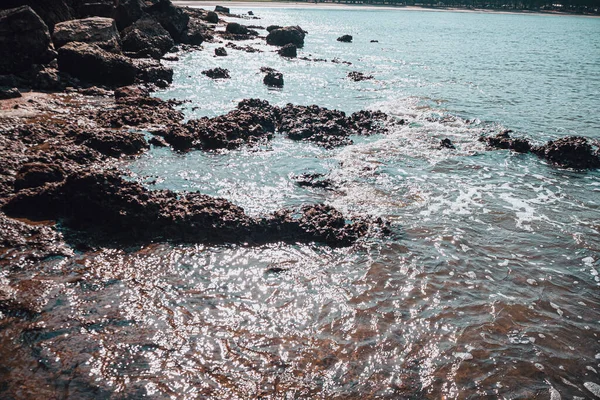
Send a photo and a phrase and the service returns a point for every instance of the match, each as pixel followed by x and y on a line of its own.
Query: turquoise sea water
pixel 489 286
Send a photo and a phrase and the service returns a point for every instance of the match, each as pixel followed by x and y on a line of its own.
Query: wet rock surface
pixel 345 39
pixel 273 79
pixel 220 52
pixel 286 35
pixel 289 50
pixel 216 73
pixel 358 76
pixel 569 152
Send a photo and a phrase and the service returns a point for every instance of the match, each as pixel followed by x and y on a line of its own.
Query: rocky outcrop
pixel 100 31
pixel 273 79
pixel 237 29
pixel 289 51
pixel 220 52
pixel 195 33
pixel 50 11
pixel 289 34
pixel 38 174
pixel 109 208
pixel 571 152
pixel 247 49
pixel 345 38
pixel 273 27
pixel 503 140
pixel 147 38
pixel 24 40
pixel 113 143
pixel 447 144
pixel 358 76
pixel 216 73
pixel 174 19
pixel 127 12
pixel 93 64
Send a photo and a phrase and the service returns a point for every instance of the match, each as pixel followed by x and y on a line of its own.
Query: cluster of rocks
pixel 256 120
pixel 569 152
pixel 358 76
pixel 58 43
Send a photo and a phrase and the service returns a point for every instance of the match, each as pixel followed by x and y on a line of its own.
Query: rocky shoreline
pixel 98 63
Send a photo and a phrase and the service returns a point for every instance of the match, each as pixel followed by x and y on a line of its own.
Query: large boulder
pixel 91 63
pixel 50 11
pixel 127 12
pixel 24 40
pixel 285 35
pixel 238 29
pixel 97 30
pixel 289 50
pixel 147 38
pixel 173 19
pixel 274 79
pixel 195 33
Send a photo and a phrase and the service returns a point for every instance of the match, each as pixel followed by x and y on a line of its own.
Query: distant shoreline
pixel 344 6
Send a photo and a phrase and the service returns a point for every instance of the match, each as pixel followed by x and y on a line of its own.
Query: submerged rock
pixel 359 76
pixel 216 73
pixel 289 34
pixel 345 38
pixel 97 30
pixel 447 144
pixel 314 180
pixel 24 40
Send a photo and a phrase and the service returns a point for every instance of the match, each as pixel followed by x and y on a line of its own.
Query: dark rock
pixel 9 93
pixel 138 111
pixel 273 27
pixel 113 143
pixel 212 17
pixel 253 121
pixel 314 180
pixel 216 73
pixel 38 174
pixel 571 152
pixel 289 50
pixel 247 49
pixel 221 9
pixel 503 140
pixel 329 128
pixel 237 29
pixel 147 38
pixel 172 18
pixel 127 12
pixel 97 30
pixel 95 8
pixel 93 64
pixel 336 61
pixel 374 41
pixel 359 76
pixel 267 69
pixel 50 11
pixel 288 34
pixel 170 57
pixel 220 51
pixel 250 13
pixel 157 141
pixel 447 144
pixel 345 38
pixel 152 71
pixel 367 122
pixel 24 40
pixel 273 79
pixel 131 92
pixel 195 33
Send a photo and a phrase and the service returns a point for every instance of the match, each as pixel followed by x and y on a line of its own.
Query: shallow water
pixel 487 288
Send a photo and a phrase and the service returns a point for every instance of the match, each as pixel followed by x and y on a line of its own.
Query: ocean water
pixel 488 287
